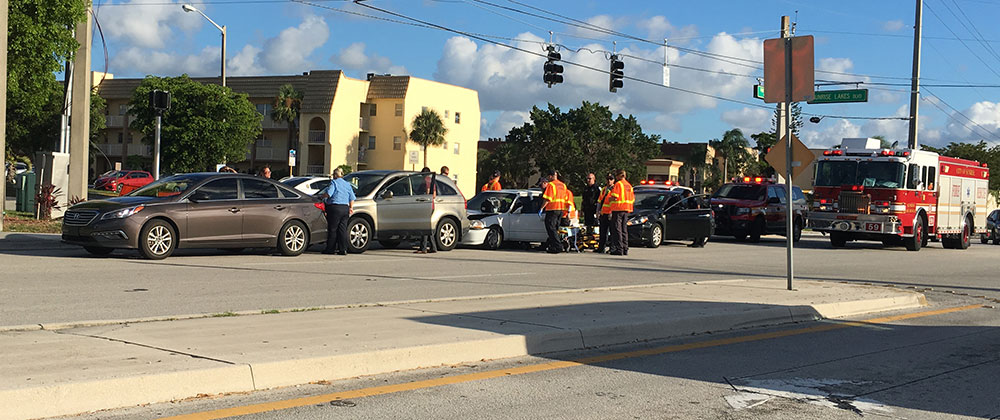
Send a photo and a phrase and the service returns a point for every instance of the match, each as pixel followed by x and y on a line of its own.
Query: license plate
pixel 873 227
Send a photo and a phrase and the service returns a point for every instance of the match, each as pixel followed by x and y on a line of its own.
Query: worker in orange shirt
pixel 622 201
pixel 554 205
pixel 604 204
pixel 493 184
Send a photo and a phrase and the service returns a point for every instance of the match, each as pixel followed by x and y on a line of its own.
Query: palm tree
pixel 732 147
pixel 427 129
pixel 286 109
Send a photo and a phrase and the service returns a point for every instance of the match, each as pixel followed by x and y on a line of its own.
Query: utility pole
pixel 4 5
pixel 782 118
pixel 79 139
pixel 915 83
pixel 789 214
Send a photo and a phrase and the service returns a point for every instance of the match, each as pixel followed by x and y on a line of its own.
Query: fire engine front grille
pixel 854 202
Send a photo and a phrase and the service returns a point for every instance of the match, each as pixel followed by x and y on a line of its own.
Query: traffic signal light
pixel 553 71
pixel 617 73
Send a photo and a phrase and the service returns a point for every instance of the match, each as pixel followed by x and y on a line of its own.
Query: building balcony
pixel 263 153
pixel 364 123
pixel 116 121
pixel 315 170
pixel 317 136
pixel 143 150
pixel 110 149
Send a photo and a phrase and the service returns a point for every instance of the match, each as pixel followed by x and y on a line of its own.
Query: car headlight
pixel 123 213
pixel 742 210
pixel 477 224
pixel 638 220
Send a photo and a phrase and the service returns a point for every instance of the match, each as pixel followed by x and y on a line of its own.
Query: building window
pixel 423 109
pixel 397 143
pixel 371 110
pixel 458 117
pixel 120 137
pixel 446 113
pixel 444 145
pixel 456 148
pixel 399 110
pixel 124 109
pixel 371 142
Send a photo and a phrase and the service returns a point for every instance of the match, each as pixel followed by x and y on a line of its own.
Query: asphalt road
pixel 938 362
pixel 44 282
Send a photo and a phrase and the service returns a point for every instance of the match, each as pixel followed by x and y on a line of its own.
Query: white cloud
pixel 502 124
pixel 656 26
pixel 986 114
pixel 147 25
pixel 354 58
pixel 893 25
pixel 289 51
pixel 750 120
pixel 161 63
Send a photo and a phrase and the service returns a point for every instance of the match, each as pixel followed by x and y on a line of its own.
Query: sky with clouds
pixel 714 53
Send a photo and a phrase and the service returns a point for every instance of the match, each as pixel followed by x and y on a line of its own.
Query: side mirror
pixel 387 195
pixel 773 200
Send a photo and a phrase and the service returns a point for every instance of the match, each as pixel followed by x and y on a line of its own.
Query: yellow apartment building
pixel 362 123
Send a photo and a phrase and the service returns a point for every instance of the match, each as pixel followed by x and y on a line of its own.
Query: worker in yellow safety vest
pixel 622 199
pixel 555 205
pixel 493 184
pixel 604 202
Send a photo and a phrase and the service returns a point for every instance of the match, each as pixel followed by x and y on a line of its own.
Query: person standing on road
pixel 589 203
pixel 622 200
pixel 605 218
pixel 428 244
pixel 493 184
pixel 339 200
pixel 554 204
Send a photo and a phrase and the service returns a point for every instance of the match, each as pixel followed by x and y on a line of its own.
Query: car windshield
pixel 492 202
pixel 650 200
pixel 869 174
pixel 741 191
pixel 166 187
pixel 364 183
pixel 115 174
pixel 292 182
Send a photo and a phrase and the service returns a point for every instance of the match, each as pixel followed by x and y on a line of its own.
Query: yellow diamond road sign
pixel 801 156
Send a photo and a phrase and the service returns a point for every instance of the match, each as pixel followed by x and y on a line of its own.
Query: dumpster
pixel 25 186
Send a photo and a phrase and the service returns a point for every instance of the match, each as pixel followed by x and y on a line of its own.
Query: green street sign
pixel 840 96
pixel 758 91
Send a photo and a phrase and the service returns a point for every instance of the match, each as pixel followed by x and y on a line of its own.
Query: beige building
pixel 342 121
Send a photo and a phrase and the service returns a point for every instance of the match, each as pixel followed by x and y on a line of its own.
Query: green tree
pixel 763 143
pixel 286 109
pixel 39 40
pixel 427 129
pixel 733 151
pixel 511 159
pixel 796 119
pixel 205 125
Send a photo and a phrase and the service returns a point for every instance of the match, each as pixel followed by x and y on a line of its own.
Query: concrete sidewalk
pixel 56 372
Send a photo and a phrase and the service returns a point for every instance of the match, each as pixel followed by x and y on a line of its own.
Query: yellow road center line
pixel 541 367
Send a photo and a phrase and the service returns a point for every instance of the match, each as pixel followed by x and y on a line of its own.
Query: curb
pixel 73 398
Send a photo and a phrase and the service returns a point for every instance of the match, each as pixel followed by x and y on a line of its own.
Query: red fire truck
pixel 897 196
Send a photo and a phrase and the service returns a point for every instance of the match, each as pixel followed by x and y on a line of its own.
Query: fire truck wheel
pixel 838 239
pixel 966 235
pixel 917 240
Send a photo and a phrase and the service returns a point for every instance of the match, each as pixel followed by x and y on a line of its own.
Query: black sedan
pixel 666 215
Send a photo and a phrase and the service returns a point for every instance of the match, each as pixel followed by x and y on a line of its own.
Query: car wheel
pixel 494 238
pixel 359 235
pixel 699 242
pixel 387 244
pixel 98 250
pixel 797 230
pixel 984 238
pixel 838 239
pixel 996 236
pixel 293 239
pixel 157 240
pixel 447 235
pixel 655 236
pixel 756 230
pixel 740 236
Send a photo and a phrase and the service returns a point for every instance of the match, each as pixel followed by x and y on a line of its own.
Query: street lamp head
pixel 188 8
pixel 815 120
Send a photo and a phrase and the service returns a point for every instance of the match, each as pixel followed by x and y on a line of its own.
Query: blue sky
pixel 856 41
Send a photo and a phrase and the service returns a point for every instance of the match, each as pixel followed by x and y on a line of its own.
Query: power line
pixel 974 31
pixel 930 9
pixel 721 98
pixel 988 132
pixel 910 37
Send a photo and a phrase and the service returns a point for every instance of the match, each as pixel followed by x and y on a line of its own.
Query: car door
pixel 214 214
pixel 677 223
pixel 264 211
pixel 397 205
pixel 527 224
pixel 776 204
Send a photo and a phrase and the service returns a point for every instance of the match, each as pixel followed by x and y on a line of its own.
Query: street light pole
pixel 189 8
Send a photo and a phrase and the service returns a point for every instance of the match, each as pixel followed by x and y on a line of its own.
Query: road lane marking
pixel 547 366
